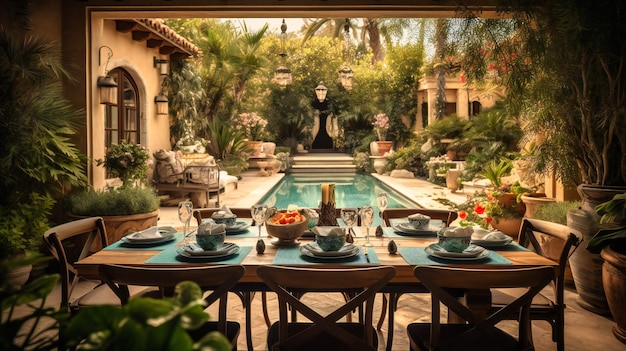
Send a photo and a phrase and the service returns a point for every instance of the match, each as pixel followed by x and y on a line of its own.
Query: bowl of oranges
pixel 286 227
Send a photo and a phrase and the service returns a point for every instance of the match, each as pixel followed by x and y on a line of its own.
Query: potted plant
pixel 253 127
pixel 128 208
pixel 381 125
pixel 610 243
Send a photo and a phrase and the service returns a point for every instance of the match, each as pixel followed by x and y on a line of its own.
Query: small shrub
pixel 114 202
pixel 556 211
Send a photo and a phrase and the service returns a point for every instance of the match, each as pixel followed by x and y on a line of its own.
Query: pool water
pixel 351 190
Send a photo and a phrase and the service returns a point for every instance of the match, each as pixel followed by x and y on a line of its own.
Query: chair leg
pixel 393 305
pixel 247 307
pixel 266 315
pixel 383 313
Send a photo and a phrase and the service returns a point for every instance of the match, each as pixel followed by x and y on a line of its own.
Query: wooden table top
pixel 88 267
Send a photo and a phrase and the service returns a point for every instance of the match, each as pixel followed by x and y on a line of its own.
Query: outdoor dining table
pixel 411 252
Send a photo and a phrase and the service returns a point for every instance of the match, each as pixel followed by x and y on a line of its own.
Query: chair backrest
pixel 217 279
pixel 203 213
pixel 444 282
pixel 447 216
pixel 553 241
pixel 71 242
pixel 365 282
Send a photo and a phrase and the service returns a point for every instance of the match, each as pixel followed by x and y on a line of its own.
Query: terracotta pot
pixel 379 148
pixel 509 201
pixel 586 266
pixel 533 202
pixel 614 283
pixel 509 226
pixel 118 227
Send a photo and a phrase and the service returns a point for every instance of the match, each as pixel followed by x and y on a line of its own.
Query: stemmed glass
pixel 259 215
pixel 184 214
pixel 349 215
pixel 382 201
pixel 367 217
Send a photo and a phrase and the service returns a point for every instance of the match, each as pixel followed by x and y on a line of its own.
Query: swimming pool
pixel 351 190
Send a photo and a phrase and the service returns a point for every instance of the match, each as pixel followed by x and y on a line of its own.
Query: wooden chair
pixel 555 242
pixel 71 242
pixel 447 217
pixel 217 279
pixel 324 332
pixel 480 331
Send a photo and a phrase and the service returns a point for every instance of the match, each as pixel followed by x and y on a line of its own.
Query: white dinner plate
pixel 238 228
pixel 439 252
pixel 493 243
pixel 155 241
pixel 407 229
pixel 161 234
pixel 345 252
pixel 230 250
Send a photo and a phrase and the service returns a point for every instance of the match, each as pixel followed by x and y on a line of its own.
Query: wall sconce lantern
pixel 321 92
pixel 282 75
pixel 106 84
pixel 163 65
pixel 161 104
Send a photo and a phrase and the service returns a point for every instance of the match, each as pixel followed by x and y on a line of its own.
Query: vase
pixel 452 179
pixel 587 266
pixel 256 148
pixel 614 283
pixel 509 226
pixel 18 276
pixel 379 148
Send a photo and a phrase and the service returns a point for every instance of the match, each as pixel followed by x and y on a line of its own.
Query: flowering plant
pixel 381 124
pixel 128 161
pixel 483 208
pixel 191 143
pixel 252 124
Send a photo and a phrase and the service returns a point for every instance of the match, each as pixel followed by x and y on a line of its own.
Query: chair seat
pixel 505 296
pixel 324 342
pixel 498 340
pixel 232 332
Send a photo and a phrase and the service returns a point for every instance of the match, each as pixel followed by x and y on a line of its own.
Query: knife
pixel 367 258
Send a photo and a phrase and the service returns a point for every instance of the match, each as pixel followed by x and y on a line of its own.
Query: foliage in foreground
pixel 114 202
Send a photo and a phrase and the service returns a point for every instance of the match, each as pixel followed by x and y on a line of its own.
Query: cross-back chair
pixel 447 217
pixel 324 332
pixel 69 243
pixel 480 331
pixel 555 242
pixel 216 279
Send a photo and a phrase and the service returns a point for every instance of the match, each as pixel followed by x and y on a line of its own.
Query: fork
pixel 367 258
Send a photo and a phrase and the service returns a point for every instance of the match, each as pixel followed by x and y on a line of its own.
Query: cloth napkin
pixel 224 211
pixel 150 233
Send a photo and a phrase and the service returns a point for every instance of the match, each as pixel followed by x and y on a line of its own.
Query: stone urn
pixel 614 283
pixel 256 147
pixel 587 266
pixel 380 148
pixel 533 201
pixel 452 179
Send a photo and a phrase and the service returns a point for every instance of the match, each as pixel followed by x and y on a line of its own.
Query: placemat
pixel 292 256
pixel 417 256
pixel 169 256
pixel 391 233
pixel 120 245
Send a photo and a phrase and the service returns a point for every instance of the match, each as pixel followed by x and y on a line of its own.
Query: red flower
pixel 488 220
pixel 479 209
pixel 462 214
pixel 462 78
pixel 489 197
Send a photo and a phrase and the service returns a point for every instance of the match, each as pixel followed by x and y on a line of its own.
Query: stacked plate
pixel 313 250
pixel 238 228
pixel 150 236
pixel 493 239
pixel 472 253
pixel 406 228
pixel 195 251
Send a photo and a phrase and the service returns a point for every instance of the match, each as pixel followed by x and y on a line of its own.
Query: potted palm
pixel 128 208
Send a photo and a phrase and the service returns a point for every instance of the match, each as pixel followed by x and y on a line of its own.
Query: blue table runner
pixel 416 256
pixel 169 256
pixel 120 245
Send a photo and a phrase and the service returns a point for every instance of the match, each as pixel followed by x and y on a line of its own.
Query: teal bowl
pixel 330 242
pixel 454 243
pixel 211 242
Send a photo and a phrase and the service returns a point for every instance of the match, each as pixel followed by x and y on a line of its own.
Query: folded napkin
pixel 457 231
pixel 210 227
pixel 328 231
pixel 150 233
pixel 479 233
pixel 224 211
pixel 345 249
pixel 496 235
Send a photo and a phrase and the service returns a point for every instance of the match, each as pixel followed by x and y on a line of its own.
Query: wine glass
pixel 349 215
pixel 184 215
pixel 367 217
pixel 259 215
pixel 382 201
